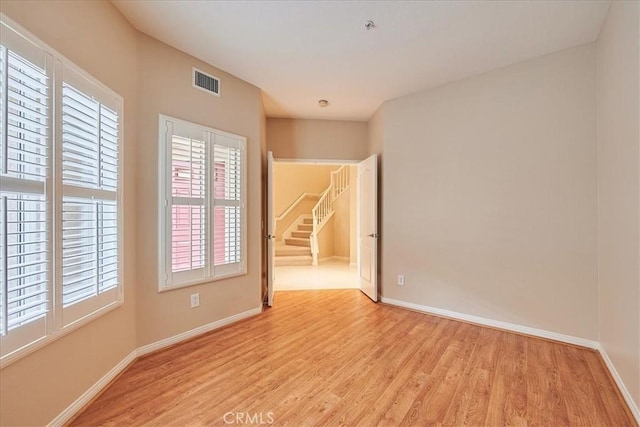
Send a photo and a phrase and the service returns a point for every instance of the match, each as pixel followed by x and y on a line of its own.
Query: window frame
pixel 209 272
pixel 56 326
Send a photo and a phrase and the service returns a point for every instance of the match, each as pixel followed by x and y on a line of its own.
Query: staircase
pixel 300 245
pixel 296 249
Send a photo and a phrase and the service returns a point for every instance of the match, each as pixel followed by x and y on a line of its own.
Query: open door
pixel 271 231
pixel 368 227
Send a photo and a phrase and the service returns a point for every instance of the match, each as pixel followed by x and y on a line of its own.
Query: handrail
pixel 323 210
pixel 296 203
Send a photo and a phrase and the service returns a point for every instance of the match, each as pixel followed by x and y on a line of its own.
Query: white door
pixel 368 227
pixel 271 231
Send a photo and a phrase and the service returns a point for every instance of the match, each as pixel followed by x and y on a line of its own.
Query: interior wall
pixel 342 225
pixel 317 139
pixel 165 87
pixel 353 215
pixel 619 192
pixel 291 180
pixel 491 206
pixel 38 387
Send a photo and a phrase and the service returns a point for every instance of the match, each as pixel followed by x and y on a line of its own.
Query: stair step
pixel 285 250
pixel 308 221
pixel 284 261
pixel 295 241
pixel 305 227
pixel 301 234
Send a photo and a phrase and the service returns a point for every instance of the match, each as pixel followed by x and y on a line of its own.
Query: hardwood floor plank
pixel 606 389
pixel 473 391
pixel 331 358
pixel 579 390
pixel 545 405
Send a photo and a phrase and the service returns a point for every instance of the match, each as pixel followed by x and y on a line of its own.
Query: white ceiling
pixel 298 52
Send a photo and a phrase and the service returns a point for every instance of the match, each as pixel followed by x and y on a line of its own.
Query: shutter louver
pixel 79 240
pixel 80 148
pixel 27 126
pixel 107 245
pixel 108 149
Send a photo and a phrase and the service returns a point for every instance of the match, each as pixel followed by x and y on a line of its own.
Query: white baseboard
pixel 66 415
pixel 149 348
pixel 334 258
pixel 623 389
pixel 494 323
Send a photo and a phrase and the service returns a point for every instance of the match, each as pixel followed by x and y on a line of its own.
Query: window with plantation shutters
pixel 202 204
pixel 60 133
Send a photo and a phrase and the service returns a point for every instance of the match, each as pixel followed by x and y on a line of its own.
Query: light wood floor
pixel 335 358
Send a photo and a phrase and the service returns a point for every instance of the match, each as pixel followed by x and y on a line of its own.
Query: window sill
pixel 165 288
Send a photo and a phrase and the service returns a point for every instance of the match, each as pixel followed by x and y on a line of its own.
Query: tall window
pixel 59 194
pixel 202 204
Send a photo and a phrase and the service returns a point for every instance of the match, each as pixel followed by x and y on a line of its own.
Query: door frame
pixel 270 265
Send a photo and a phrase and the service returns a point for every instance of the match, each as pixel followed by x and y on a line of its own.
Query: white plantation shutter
pixel 89 246
pixel 25 156
pixel 188 175
pixel 60 133
pixel 202 233
pixel 227 202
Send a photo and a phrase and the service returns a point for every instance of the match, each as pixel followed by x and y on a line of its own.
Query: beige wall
pixel 317 139
pixel 36 388
pixel 490 194
pixel 291 180
pixel 375 132
pixel 353 215
pixel 325 239
pixel 342 224
pixel 165 87
pixel 619 192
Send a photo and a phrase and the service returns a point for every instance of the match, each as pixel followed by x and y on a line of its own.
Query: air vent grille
pixel 206 82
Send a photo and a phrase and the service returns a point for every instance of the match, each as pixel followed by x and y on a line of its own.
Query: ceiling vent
pixel 206 82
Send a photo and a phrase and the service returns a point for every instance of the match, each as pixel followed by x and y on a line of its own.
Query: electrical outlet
pixel 400 279
pixel 195 300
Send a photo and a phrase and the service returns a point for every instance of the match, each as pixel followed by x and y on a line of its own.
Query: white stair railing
pixel 323 210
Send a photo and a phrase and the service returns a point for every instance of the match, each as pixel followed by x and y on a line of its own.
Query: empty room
pixel 319 213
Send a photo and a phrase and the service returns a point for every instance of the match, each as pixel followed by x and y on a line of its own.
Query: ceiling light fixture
pixel 369 24
pixel 323 103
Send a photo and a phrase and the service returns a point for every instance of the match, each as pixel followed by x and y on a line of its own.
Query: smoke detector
pixel 323 103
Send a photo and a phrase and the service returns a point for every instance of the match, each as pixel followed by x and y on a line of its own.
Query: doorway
pixel 322 225
pixel 315 225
